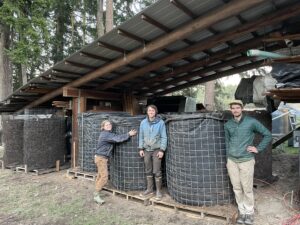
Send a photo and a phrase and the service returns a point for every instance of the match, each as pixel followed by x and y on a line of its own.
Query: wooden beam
pixel 93 56
pixel 37 90
pixel 212 17
pixel 67 62
pixel 155 23
pixel 131 36
pixel 201 63
pixel 68 72
pixel 183 8
pixel 211 42
pixel 111 47
pixel 203 71
pixel 210 78
pixel 200 73
pixel 291 59
pixel 282 38
pixel 90 94
pixel 75 141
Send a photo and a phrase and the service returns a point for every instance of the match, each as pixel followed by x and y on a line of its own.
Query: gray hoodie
pixel 106 142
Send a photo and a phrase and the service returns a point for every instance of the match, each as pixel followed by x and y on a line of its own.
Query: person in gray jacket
pixel 103 151
pixel 152 145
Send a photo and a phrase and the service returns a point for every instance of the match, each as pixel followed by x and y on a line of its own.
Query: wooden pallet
pixel 133 196
pixel 226 212
pixel 82 175
pixel 38 172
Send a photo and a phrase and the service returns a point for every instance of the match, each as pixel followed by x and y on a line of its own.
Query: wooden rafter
pixel 100 95
pixel 210 78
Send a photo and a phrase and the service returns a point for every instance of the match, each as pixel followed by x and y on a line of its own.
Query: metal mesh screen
pixel 13 139
pixel 126 166
pixel 44 139
pixel 89 131
pixel 196 160
pixel 263 160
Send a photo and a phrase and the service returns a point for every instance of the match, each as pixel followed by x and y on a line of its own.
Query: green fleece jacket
pixel 240 134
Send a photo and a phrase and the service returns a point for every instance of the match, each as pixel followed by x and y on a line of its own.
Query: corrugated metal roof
pixel 110 47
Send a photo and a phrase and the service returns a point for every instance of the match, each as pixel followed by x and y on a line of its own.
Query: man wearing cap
pixel 239 136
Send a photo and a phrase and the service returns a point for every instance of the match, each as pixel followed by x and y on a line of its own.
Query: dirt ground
pixel 56 199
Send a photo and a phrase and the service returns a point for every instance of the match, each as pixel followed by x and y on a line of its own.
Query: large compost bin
pixel 196 160
pixel 126 166
pixel 13 139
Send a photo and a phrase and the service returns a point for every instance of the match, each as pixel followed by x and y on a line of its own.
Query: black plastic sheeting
pixel 286 74
pixel 88 132
pixel 263 160
pixel 244 90
pixel 13 139
pixel 196 160
pixel 44 140
pixel 127 170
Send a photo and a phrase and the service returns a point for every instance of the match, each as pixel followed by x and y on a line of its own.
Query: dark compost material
pixel 196 160
pixel 44 140
pixel 126 166
pixel 13 139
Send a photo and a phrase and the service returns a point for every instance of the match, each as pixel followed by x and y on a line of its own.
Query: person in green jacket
pixel 239 135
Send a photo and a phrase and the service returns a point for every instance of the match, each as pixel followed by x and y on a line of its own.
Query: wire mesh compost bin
pixel 89 131
pixel 126 166
pixel 13 139
pixel 44 138
pixel 196 160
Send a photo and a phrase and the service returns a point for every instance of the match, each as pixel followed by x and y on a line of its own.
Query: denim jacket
pixel 106 142
pixel 153 135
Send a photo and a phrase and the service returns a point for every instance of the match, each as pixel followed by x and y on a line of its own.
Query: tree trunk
pixel 209 101
pixel 24 74
pixel 109 21
pixel 5 64
pixel 58 48
pixel 100 26
pixel 83 24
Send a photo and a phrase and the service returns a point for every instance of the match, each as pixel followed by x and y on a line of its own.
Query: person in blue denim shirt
pixel 152 145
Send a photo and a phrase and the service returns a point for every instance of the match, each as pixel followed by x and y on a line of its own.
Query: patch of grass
pixel 37 202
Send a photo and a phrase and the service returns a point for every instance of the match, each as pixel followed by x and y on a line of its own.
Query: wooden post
pixel 57 168
pixel 75 148
pixel 130 103
pixel 78 106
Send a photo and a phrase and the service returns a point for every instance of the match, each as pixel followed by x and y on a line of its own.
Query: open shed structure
pixel 171 45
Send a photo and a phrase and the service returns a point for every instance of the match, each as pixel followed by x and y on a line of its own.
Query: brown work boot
pixel 158 182
pixel 149 190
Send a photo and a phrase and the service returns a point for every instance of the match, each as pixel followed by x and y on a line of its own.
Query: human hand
pixel 132 132
pixel 142 153
pixel 160 154
pixel 252 149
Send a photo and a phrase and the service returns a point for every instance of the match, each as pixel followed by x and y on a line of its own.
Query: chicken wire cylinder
pixel 127 170
pixel 89 132
pixel 44 140
pixel 196 160
pixel 12 139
